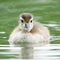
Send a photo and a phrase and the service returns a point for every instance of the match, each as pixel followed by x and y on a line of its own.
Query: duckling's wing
pixel 43 31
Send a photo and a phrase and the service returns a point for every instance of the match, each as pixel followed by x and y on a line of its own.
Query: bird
pixel 29 32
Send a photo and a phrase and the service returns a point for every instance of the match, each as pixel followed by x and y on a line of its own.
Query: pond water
pixel 44 11
pixel 48 52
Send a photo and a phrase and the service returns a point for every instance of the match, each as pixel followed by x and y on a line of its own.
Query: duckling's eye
pixel 22 21
pixel 31 21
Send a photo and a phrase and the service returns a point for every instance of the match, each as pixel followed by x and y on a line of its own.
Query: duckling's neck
pixel 24 31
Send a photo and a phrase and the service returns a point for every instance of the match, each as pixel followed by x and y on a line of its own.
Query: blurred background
pixel 44 11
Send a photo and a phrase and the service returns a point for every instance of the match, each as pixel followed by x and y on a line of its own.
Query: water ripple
pixel 50 51
pixel 2 32
pixel 52 25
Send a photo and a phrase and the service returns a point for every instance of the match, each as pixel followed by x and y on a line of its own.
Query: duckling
pixel 29 33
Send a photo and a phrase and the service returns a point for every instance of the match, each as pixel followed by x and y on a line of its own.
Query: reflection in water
pixel 49 52
pixel 27 53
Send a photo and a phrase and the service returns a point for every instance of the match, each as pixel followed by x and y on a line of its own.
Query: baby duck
pixel 29 33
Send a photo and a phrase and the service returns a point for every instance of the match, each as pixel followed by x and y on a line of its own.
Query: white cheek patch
pixel 31 18
pixel 21 18
pixel 31 26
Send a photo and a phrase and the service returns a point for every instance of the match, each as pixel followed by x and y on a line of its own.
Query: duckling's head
pixel 26 21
